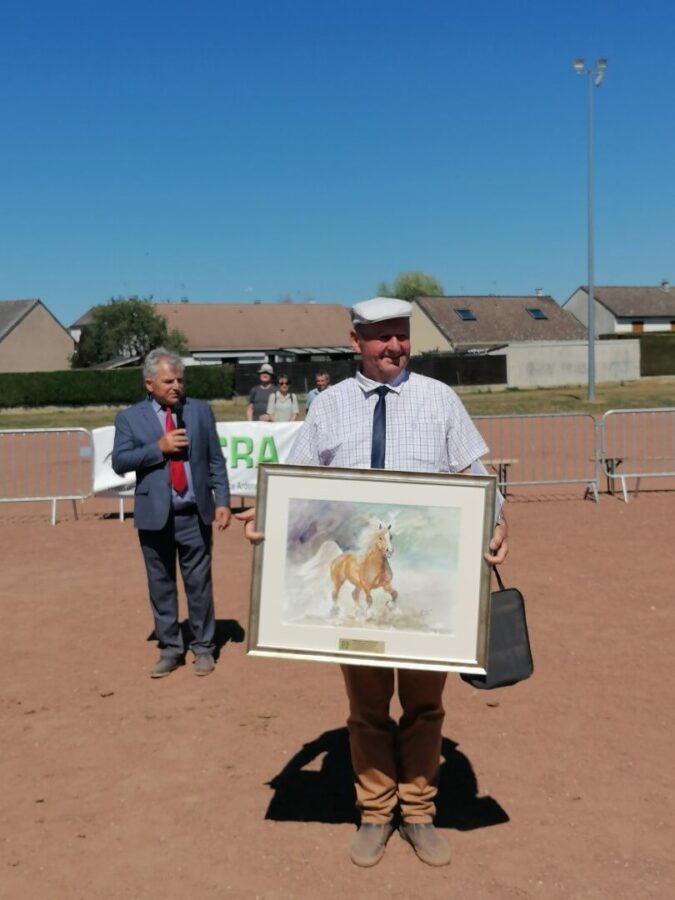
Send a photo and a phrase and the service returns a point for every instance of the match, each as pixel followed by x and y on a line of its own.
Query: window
pixel 465 315
pixel 537 313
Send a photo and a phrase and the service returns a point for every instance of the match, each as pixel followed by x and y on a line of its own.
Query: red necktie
pixel 177 472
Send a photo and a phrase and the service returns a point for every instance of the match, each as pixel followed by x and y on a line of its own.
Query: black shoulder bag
pixel 509 654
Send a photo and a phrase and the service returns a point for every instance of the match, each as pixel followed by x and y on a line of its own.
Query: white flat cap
pixel 379 309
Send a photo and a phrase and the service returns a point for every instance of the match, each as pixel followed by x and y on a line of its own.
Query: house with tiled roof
pixel 463 323
pixel 621 310
pixel 544 345
pixel 256 332
pixel 32 339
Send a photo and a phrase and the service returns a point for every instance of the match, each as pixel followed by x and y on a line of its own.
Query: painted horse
pixel 366 571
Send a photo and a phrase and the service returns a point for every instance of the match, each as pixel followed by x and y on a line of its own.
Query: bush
pixel 99 387
pixel 657 350
pixel 657 354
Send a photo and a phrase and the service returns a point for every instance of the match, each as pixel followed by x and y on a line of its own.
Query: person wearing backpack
pixel 283 405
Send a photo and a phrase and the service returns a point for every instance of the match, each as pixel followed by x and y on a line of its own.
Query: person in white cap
pixel 387 417
pixel 260 395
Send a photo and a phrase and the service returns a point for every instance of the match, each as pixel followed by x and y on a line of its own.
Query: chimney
pixel 538 292
pixel 665 286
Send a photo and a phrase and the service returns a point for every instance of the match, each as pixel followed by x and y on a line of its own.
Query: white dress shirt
pixel 428 429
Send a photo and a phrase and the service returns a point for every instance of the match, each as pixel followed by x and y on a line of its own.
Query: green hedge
pixel 657 350
pixel 93 387
pixel 657 354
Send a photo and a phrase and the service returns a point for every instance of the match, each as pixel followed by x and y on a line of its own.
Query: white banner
pixel 105 481
pixel 244 446
pixel 247 444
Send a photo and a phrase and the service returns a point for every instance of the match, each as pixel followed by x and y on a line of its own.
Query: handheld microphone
pixel 177 410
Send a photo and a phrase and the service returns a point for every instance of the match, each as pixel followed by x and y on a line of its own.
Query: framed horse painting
pixel 372 567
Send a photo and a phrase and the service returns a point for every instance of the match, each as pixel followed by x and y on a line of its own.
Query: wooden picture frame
pixel 372 567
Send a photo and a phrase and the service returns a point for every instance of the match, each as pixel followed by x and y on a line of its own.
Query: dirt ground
pixel 238 785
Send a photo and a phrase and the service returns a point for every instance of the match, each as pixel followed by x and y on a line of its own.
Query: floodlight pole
pixel 595 78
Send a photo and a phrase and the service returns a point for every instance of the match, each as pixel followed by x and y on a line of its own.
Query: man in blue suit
pixel 181 487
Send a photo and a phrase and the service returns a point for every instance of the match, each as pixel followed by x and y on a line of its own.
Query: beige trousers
pixel 387 773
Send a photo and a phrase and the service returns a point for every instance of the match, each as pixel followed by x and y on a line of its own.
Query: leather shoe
pixel 204 664
pixel 164 666
pixel 426 842
pixel 369 842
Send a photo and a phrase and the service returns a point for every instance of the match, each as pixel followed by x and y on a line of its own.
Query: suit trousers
pixel 188 537
pixel 391 768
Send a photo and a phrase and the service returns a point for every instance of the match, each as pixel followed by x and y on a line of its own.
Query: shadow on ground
pixel 227 630
pixel 316 785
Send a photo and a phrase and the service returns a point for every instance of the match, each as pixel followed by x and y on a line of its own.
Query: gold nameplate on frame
pixel 361 646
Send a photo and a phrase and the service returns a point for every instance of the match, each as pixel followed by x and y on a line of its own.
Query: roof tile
pixel 501 320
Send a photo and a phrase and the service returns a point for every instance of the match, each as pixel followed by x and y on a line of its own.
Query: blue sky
pixel 251 150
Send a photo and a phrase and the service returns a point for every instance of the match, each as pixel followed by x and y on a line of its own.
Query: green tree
pixel 124 327
pixel 412 284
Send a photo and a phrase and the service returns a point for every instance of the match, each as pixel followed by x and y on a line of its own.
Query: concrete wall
pixel 551 364
pixel 37 344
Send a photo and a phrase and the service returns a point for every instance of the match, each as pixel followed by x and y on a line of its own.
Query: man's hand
pixel 498 544
pixel 173 442
pixel 248 518
pixel 223 516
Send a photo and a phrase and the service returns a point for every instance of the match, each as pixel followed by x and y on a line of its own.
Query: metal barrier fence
pixel 48 464
pixel 52 464
pixel 554 448
pixel 637 443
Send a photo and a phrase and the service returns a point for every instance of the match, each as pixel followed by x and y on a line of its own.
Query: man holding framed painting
pixel 389 418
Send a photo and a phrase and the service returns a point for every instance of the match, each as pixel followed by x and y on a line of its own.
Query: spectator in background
pixel 260 395
pixel 282 406
pixel 321 381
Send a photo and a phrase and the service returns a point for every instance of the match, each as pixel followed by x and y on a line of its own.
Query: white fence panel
pixel 49 464
pixel 637 444
pixel 52 464
pixel 552 449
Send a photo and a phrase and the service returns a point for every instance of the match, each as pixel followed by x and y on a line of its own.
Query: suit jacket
pixel 136 448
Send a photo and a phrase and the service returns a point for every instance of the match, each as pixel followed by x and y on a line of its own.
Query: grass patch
pixel 644 394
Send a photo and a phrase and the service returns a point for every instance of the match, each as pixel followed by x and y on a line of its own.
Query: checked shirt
pixel 428 429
